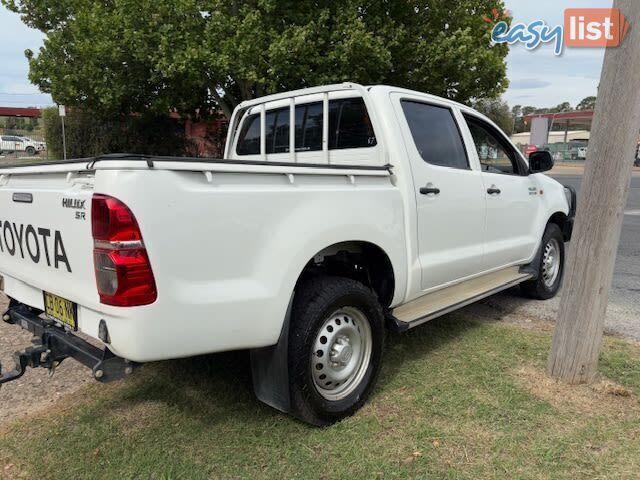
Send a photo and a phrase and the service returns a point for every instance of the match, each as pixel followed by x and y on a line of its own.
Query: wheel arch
pixel 359 260
pixel 564 222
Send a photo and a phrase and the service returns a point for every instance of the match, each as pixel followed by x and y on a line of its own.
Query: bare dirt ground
pixel 35 391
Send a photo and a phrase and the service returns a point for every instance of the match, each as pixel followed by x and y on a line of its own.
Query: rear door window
pixel 435 134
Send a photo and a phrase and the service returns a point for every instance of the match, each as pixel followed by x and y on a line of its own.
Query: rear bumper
pixel 185 320
pixel 53 344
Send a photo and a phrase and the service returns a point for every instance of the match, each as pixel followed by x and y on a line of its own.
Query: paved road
pixel 626 281
pixel 623 314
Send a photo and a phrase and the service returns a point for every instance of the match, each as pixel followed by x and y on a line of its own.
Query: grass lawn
pixel 457 398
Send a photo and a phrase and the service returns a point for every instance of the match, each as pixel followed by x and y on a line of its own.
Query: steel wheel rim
pixel 551 262
pixel 341 353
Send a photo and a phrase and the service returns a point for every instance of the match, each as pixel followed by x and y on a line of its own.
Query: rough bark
pixel 605 186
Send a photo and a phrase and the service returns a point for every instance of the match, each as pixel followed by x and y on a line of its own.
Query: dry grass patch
pixel 600 398
pixel 11 469
pixel 136 416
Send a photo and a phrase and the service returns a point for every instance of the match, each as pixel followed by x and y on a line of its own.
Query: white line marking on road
pixel 632 212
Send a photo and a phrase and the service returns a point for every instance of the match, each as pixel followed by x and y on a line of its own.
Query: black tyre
pixel 30 151
pixel 550 266
pixel 336 339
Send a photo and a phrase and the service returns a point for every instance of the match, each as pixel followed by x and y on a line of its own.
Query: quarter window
pixel 435 134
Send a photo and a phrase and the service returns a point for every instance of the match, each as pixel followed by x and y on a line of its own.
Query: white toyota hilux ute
pixel 337 214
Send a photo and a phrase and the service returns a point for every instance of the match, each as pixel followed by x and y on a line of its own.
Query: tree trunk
pixel 592 252
pixel 227 110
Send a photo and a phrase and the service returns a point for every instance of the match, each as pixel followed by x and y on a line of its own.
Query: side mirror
pixel 540 161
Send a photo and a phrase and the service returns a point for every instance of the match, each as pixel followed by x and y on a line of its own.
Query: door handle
pixel 429 190
pixel 493 190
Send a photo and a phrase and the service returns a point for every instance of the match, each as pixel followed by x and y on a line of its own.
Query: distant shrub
pixel 88 135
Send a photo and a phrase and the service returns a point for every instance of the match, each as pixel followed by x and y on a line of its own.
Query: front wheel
pixel 550 266
pixel 30 151
pixel 335 348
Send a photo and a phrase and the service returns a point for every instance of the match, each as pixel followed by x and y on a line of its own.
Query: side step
pixel 433 305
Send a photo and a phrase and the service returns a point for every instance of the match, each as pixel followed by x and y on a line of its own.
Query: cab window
pixel 349 127
pixel 249 139
pixel 494 153
pixel 349 124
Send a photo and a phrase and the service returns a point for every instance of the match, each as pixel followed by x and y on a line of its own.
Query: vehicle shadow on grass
pixel 216 389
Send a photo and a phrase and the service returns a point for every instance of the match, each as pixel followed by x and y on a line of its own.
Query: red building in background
pixel 20 112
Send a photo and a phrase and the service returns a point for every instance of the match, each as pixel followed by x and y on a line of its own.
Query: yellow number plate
pixel 61 309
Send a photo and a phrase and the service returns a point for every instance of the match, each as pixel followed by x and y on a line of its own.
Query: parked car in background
pixel 39 146
pixel 14 143
pixel 578 152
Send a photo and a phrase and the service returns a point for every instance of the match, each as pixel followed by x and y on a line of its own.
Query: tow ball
pixel 52 344
pixel 31 357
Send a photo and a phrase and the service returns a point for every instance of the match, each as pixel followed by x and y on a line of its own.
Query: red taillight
pixel 112 221
pixel 123 271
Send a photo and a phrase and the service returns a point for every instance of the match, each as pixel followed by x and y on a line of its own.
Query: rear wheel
pixel 335 348
pixel 550 266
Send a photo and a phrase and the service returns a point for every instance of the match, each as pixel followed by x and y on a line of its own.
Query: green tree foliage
pixel 561 107
pixel 88 136
pixel 587 103
pixel 121 56
pixel 498 111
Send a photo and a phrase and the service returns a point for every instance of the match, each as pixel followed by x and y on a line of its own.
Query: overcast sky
pixel 540 78
pixel 537 78
pixel 15 38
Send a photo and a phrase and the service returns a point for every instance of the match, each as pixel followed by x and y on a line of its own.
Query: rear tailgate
pixel 45 235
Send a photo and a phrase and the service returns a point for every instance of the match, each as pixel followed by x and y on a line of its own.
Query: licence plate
pixel 60 309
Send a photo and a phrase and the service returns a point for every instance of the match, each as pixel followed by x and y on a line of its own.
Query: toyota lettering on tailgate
pixel 34 243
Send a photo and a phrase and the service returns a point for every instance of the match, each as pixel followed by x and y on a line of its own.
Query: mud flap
pixel 270 370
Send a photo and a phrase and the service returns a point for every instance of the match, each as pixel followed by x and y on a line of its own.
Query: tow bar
pixel 52 344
